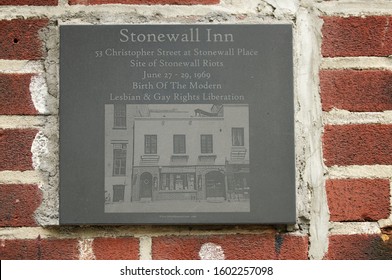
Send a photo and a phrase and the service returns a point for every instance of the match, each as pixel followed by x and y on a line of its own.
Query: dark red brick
pixel 143 2
pixel 15 149
pixel 359 247
pixel 353 90
pixel 39 249
pixel 17 205
pixel 19 38
pixel 235 247
pixel 121 248
pixel 358 199
pixel 15 95
pixel 359 144
pixel 357 36
pixel 29 2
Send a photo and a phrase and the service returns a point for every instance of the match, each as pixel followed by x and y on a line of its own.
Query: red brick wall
pixel 15 93
pixel 15 149
pixel 20 38
pixel 39 249
pixel 232 247
pixel 18 203
pixel 356 90
pixel 352 198
pixel 358 199
pixel 360 93
pixel 356 36
pixel 359 247
pixel 126 248
pixel 29 2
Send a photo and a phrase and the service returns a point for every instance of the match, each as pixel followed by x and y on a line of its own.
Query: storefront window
pixel 177 181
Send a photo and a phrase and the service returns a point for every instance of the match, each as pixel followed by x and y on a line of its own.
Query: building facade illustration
pixel 193 152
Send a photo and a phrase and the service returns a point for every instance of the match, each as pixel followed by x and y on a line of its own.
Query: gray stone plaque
pixel 176 124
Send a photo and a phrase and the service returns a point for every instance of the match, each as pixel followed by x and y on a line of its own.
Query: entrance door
pixel 118 193
pixel 215 184
pixel 146 185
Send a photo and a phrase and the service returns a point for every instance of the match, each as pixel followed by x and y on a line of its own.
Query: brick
pixel 15 95
pixel 359 247
pixel 29 2
pixel 358 199
pixel 15 149
pixel 19 38
pixel 357 36
pixel 126 248
pixel 143 2
pixel 234 247
pixel 17 205
pixel 359 144
pixel 358 91
pixel 39 249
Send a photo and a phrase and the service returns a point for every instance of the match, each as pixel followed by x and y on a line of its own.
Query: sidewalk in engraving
pixel 178 206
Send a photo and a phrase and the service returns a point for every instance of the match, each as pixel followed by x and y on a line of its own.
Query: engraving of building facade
pixel 176 152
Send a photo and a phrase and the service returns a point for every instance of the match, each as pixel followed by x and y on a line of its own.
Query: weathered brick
pixel 15 149
pixel 359 247
pixel 39 249
pixel 15 95
pixel 357 36
pixel 358 199
pixel 354 90
pixel 29 2
pixel 234 247
pixel 121 248
pixel 19 38
pixel 359 144
pixel 17 205
pixel 143 2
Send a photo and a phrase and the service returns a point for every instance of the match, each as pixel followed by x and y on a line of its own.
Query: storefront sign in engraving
pixel 176 124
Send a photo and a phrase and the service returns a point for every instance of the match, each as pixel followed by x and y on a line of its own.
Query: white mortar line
pixel 39 94
pixel 309 124
pixel 211 251
pixel 86 251
pixel 24 233
pixel 145 248
pixel 63 3
pixel 20 122
pixel 360 171
pixel 355 8
pixel 337 228
pixel 110 10
pixel 20 177
pixel 342 117
pixel 21 66
pixel 124 231
pixel 383 63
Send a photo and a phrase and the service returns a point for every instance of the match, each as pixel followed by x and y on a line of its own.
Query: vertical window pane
pixel 120 113
pixel 119 159
pixel 153 144
pixel 237 136
pixel 150 144
pixel 163 182
pixel 179 144
pixel 206 144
